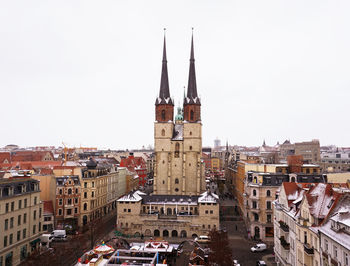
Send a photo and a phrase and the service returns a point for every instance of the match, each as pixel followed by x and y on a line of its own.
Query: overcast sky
pixel 88 72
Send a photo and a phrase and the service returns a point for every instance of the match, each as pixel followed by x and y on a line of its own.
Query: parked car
pixel 260 263
pixel 46 239
pixel 202 239
pixel 59 235
pixel 259 247
pixel 236 263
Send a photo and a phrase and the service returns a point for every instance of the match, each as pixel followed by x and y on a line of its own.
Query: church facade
pixel 179 205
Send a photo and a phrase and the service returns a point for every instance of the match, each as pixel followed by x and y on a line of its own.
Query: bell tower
pixel 163 131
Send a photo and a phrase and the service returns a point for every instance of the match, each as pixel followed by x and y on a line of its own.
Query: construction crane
pixel 65 153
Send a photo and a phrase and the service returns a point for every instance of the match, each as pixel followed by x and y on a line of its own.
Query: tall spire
pixel 192 96
pixel 164 94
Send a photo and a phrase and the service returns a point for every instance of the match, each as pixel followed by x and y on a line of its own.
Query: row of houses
pixel 312 224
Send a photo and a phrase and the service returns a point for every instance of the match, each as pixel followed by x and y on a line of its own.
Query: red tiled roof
pixel 22 156
pixel 46 171
pixel 5 156
pixel 48 207
pixel 132 162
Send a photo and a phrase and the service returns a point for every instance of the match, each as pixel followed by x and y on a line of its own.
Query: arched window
pixel 254 192
pixel 85 206
pixel 177 150
pixel 191 115
pixel 163 114
pixel 176 181
pixel 268 193
pixel 163 132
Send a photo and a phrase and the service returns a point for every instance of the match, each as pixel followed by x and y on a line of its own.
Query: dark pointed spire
pixel 192 96
pixel 164 94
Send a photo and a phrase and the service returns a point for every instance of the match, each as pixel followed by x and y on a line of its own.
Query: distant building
pixel 136 164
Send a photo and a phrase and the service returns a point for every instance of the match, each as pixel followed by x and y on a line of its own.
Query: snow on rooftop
pixel 131 197
pixel 208 197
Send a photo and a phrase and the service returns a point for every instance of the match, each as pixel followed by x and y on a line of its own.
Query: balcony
pixel 308 249
pixel 284 243
pixel 284 226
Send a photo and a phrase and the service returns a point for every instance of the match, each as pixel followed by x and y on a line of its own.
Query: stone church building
pixel 179 206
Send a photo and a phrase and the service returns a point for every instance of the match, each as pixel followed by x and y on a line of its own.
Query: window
pixel 59 211
pixel 85 195
pixel 60 191
pixel 24 233
pixel 254 205
pixel 69 191
pixel 92 194
pixel 268 218
pixel 69 201
pixel 11 222
pixel 85 206
pixel 85 184
pixel 7 207
pixel 305 237
pixel 19 218
pixel 190 148
pixel 268 193
pixel 40 213
pixel 34 229
pixel 76 191
pixel 25 203
pixel 60 202
pixel 163 132
pixel 192 115
pixel 11 239
pixel 163 114
pixel 268 205
pixel 129 210
pixel 124 210
pixel 20 204
pixel 346 259
pixel 24 218
pixel 256 217
pixel 5 241
pixel 75 210
pixel 18 235
pixel 177 150
pixel 206 212
pixel 93 184
pixel 34 215
pixel 35 200
pixel 211 211
pixel 254 192
pixel 335 251
pixel 69 211
pixel 6 224
pixel 176 181
pixel 12 206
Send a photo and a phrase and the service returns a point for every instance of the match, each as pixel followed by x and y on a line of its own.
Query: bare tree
pixel 221 253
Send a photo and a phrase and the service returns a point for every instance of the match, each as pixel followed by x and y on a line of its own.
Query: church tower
pixel 178 145
pixel 192 133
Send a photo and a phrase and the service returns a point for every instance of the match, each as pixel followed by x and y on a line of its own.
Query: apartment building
pixel 67 202
pixel 21 219
pixel 93 192
pixel 301 213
